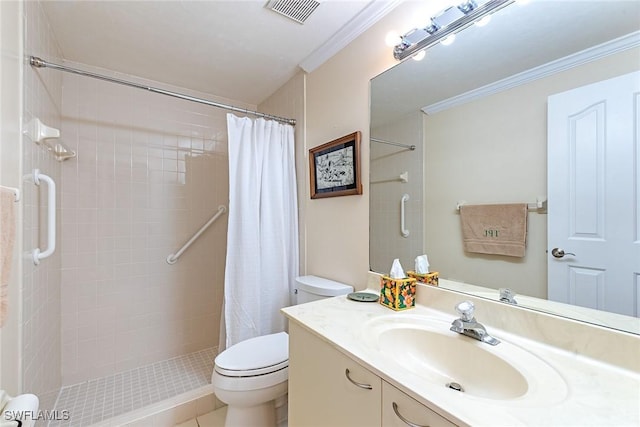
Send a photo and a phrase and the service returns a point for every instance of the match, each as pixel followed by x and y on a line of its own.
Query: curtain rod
pixel 41 63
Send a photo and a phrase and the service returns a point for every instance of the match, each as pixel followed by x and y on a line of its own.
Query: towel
pixel 495 229
pixel 7 240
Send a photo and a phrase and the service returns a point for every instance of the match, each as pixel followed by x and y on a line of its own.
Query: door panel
pixel 594 195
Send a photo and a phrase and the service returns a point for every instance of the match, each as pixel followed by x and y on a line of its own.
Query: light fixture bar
pixel 405 50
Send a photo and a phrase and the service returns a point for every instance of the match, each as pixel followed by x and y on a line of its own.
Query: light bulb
pixel 449 40
pixel 484 21
pixel 419 56
pixel 392 39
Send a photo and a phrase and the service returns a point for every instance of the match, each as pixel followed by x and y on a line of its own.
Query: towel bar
pixel 539 205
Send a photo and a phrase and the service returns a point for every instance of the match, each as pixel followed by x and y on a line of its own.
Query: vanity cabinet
pixel 327 388
pixel 400 410
pixel 321 393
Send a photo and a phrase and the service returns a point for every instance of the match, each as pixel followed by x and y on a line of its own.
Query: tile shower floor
pixel 97 400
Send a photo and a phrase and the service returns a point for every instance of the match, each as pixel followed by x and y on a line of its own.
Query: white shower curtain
pixel 262 239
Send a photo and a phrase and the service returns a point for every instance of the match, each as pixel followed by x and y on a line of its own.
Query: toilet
pixel 251 376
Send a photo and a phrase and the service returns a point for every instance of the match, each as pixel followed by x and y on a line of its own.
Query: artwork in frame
pixel 334 167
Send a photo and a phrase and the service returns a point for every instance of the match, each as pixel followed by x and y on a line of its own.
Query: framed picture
pixel 334 167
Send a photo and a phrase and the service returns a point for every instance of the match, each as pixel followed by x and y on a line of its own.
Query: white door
pixel 594 195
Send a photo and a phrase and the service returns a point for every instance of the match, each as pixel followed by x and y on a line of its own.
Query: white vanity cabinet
pixel 327 388
pixel 321 394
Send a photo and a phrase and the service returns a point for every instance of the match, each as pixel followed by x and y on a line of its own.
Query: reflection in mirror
pixel 477 113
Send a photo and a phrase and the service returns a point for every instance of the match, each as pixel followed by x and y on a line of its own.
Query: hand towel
pixel 7 240
pixel 495 229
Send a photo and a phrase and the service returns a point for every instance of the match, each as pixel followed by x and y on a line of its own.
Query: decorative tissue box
pixel 398 294
pixel 427 279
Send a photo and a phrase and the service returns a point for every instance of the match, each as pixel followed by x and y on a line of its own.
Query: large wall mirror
pixel 469 124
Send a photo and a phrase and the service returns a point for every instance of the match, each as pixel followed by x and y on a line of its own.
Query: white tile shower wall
pixel 41 337
pixel 150 171
pixel 387 163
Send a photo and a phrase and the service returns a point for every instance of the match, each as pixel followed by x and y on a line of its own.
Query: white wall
pixel 337 228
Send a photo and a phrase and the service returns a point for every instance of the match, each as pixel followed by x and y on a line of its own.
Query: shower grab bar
pixel 38 178
pixel 172 258
pixel 403 230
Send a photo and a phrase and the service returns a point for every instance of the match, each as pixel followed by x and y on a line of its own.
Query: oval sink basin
pixel 454 359
pixel 427 348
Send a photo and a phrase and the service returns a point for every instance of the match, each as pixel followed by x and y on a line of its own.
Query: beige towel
pixel 7 239
pixel 494 229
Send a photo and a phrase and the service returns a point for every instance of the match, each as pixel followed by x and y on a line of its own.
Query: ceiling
pixel 518 38
pixel 237 49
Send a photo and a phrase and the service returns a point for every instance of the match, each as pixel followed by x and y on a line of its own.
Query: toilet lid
pixel 255 356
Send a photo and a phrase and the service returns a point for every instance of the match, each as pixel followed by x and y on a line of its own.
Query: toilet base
pixel 263 415
pixel 252 408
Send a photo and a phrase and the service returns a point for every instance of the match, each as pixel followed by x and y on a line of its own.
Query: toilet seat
pixel 254 357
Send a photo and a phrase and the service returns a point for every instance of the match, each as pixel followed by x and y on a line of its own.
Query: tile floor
pixel 96 400
pixel 212 419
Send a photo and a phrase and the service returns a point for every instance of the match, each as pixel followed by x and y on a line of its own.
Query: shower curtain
pixel 262 239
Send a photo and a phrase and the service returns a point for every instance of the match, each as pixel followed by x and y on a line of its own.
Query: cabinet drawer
pixel 407 411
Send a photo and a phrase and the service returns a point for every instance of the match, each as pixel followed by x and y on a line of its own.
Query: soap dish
pixel 363 296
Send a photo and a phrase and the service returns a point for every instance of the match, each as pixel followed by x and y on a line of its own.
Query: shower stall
pixel 108 328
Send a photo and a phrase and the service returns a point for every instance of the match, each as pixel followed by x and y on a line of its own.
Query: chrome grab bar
pixel 51 216
pixel 172 258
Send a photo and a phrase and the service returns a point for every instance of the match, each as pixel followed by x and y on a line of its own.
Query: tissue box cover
pixel 427 279
pixel 398 294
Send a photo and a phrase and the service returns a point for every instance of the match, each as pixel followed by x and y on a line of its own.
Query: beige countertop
pixel 575 389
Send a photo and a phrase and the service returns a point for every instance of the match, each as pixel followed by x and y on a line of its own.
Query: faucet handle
pixel 507 295
pixel 465 309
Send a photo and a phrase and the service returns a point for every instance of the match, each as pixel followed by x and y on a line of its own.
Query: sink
pixel 425 347
pixel 453 359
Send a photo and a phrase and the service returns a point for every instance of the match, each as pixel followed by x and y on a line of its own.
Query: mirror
pixel 476 112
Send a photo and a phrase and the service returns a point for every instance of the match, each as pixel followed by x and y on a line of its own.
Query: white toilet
pixel 251 375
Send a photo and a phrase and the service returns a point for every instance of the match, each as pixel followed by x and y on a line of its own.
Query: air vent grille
pixel 298 10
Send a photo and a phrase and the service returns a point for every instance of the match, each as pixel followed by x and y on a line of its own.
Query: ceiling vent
pixel 298 10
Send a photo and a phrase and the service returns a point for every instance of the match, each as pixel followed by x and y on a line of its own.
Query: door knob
pixel 559 253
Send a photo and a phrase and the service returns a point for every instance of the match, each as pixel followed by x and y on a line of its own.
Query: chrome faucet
pixel 467 324
pixel 508 296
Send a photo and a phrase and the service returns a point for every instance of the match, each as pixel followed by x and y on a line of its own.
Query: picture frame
pixel 334 167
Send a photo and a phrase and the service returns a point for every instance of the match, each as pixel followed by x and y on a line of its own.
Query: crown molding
pixel 591 54
pixel 371 14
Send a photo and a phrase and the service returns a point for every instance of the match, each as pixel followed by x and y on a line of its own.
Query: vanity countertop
pixel 596 393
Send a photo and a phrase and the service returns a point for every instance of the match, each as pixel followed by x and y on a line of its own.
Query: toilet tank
pixel 312 288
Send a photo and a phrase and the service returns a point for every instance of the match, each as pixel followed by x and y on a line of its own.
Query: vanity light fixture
pixel 419 56
pixel 447 41
pixel 446 23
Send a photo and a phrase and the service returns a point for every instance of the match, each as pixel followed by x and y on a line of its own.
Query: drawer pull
pixel 361 385
pixel 404 420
